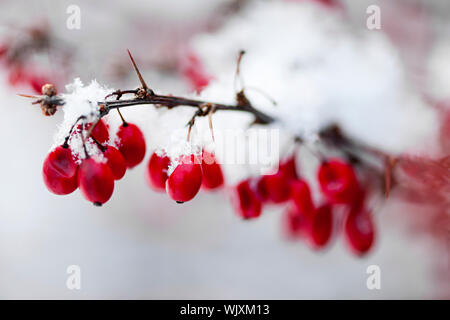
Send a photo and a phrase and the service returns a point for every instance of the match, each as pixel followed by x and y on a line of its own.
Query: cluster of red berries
pixel 95 177
pixel 304 219
pixel 192 173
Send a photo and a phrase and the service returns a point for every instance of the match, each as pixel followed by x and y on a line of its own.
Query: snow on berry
pixel 80 101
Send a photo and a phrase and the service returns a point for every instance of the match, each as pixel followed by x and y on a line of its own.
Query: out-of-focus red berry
pixel 194 71
pixel 212 172
pixel 36 82
pixel 321 226
pixel 288 168
pixel 359 230
pixel 294 223
pixel 338 181
pixel 274 188
pixel 248 204
pixel 301 197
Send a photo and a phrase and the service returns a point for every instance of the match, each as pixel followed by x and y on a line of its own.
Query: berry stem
pixel 124 123
pixel 84 142
pixel 99 145
pixel 66 139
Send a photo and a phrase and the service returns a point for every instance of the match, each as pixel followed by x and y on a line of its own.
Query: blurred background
pixel 143 245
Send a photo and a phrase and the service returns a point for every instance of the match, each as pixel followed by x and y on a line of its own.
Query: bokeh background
pixel 142 244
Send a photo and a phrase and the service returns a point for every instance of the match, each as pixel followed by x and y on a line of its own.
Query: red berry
pixel 157 171
pixel 248 204
pixel 444 134
pixel 289 168
pixel 301 197
pixel 321 226
pixel 359 230
pixel 331 4
pixel 96 181
pixel 16 76
pixel 338 181
pixel 115 161
pixel 185 181
pixel 100 132
pixel 60 171
pixel 36 82
pixel 3 49
pixel 294 223
pixel 193 70
pixel 212 172
pixel 132 144
pixel 274 188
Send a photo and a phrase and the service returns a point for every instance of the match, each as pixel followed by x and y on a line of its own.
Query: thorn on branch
pixel 147 91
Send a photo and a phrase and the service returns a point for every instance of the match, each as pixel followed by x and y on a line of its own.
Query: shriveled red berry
pixel 321 226
pixel 359 230
pixel 185 181
pixel 338 181
pixel 248 204
pixel 157 168
pixel 115 161
pixel 212 172
pixel 301 197
pixel 132 144
pixel 96 181
pixel 60 171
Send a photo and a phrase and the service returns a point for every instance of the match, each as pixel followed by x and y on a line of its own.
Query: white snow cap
pixel 319 72
pixel 80 101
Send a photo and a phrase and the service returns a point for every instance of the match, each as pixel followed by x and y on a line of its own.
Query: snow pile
pixel 439 71
pixel 80 100
pixel 318 73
